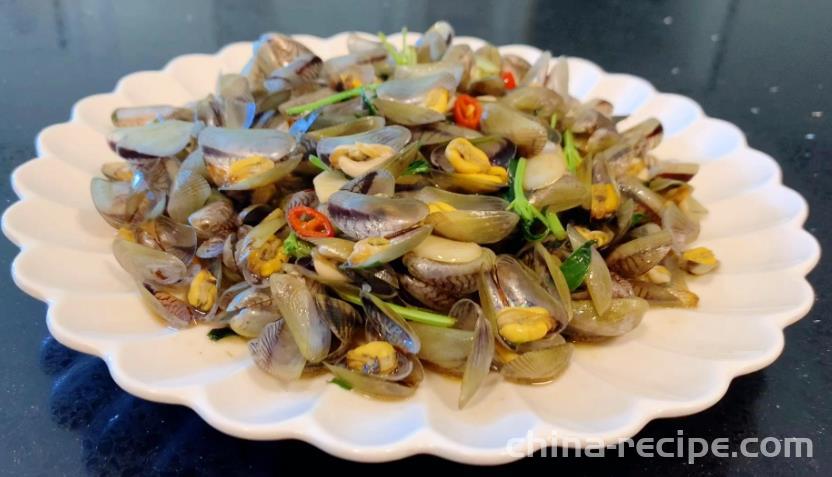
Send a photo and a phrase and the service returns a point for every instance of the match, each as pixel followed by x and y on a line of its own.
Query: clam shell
pixel 360 216
pixel 153 140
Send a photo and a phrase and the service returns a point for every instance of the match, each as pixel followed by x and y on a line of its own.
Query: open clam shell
pixel 242 159
pixel 392 137
pixel 476 218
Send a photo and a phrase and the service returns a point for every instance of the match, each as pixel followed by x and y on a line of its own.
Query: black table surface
pixel 761 64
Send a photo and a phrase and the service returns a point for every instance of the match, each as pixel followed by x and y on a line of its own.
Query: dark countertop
pixel 761 64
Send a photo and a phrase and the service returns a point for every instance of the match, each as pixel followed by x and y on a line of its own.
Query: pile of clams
pixel 400 208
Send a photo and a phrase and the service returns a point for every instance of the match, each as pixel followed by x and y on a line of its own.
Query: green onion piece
pixel 295 247
pixel 553 121
pixel 335 98
pixel 638 219
pixel 317 162
pixel 555 226
pixel 420 166
pixel 419 315
pixel 535 225
pixel 407 55
pixel 573 157
pixel 344 384
pixel 217 334
pixel 576 265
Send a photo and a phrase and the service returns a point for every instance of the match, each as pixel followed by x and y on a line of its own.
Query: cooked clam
pixel 240 159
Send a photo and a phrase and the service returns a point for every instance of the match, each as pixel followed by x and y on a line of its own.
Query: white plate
pixel 677 362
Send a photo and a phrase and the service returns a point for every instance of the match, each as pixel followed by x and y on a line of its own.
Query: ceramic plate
pixel 677 362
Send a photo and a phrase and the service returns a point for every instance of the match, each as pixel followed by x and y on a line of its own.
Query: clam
pixel 478 362
pixel 360 216
pixel 379 183
pixel 537 73
pixel 430 296
pixel 117 171
pixel 661 295
pixel 387 324
pixel 516 65
pixel 528 134
pixel 344 321
pixel 217 219
pixel 166 304
pixel 445 348
pixel 642 194
pixel 548 266
pixel 479 165
pixel 149 265
pixel 383 363
pixel 302 70
pixel 680 171
pixel 259 254
pixel 682 228
pixel 357 43
pixel 418 70
pixel 327 183
pixel 299 309
pixel 433 44
pixel 373 383
pixel 484 73
pixel 358 154
pixel 536 101
pixel 271 51
pixel 166 235
pixel 132 116
pixel 536 366
pixel 442 133
pixel 463 55
pixel 634 143
pixel 235 102
pixel 120 203
pixel 153 140
pixel 518 305
pixel 417 100
pixel 251 310
pixel 302 198
pixel 190 189
pixel 448 265
pixel 623 315
pixel 276 352
pixel 356 126
pixel 244 159
pixel 340 70
pixel 545 168
pixel 636 257
pixel 374 251
pixel 558 78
